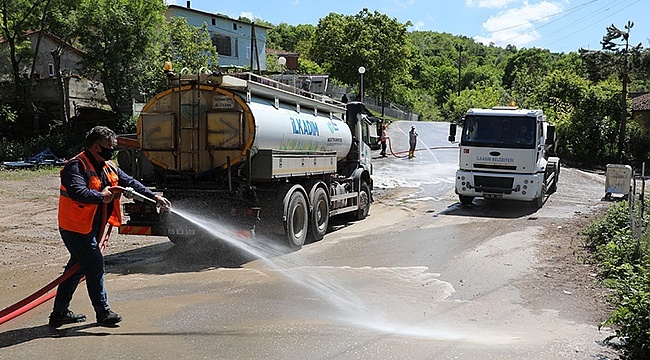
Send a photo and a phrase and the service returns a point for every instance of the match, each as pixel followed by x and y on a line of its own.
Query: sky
pixel 557 25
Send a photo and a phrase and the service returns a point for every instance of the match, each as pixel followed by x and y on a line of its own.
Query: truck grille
pixel 501 185
pixel 496 167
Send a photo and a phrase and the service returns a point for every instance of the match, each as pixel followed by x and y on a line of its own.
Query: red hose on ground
pixel 27 307
pixel 38 297
pixel 390 146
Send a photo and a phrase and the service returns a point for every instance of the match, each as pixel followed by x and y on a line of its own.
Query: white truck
pixel 504 154
pixel 251 151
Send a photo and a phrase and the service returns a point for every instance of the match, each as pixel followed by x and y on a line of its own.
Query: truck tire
pixel 297 223
pixel 319 215
pixel 364 201
pixel 466 200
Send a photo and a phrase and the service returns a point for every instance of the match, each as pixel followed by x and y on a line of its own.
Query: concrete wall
pixel 81 92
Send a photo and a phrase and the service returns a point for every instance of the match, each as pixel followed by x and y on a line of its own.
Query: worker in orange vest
pixel 382 139
pixel 89 199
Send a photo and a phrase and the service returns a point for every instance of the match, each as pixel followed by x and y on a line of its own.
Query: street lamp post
pixel 361 71
pixel 282 61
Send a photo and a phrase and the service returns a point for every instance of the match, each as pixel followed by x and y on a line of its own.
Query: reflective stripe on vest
pixel 78 217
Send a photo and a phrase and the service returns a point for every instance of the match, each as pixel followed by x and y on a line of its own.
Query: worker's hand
pixel 164 202
pixel 116 189
pixel 108 195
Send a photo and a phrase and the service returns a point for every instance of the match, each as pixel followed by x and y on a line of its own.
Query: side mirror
pixel 452 132
pixel 550 135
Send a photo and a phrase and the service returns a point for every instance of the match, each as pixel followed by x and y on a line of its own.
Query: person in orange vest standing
pixel 89 199
pixel 382 139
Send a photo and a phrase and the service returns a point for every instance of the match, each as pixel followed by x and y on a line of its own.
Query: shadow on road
pixel 502 209
pixel 168 258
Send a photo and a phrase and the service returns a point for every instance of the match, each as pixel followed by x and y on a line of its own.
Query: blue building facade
pixel 236 44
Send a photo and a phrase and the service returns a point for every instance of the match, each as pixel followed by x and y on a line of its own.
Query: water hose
pixel 395 154
pixel 44 294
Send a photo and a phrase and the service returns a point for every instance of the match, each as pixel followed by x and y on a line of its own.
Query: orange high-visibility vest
pixel 78 217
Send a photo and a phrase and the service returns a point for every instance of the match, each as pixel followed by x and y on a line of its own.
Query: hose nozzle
pixel 129 193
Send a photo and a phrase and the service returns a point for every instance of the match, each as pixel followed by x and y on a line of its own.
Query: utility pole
pixel 459 47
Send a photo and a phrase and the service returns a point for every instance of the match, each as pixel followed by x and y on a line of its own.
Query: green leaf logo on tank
pixel 191 107
pixel 333 127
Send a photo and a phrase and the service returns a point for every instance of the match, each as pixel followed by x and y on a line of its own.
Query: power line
pixel 592 24
pixel 568 12
pixel 568 26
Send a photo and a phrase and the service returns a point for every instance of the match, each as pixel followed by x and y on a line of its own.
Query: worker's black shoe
pixel 108 318
pixel 58 318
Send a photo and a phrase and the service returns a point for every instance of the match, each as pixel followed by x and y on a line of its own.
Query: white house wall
pixel 69 59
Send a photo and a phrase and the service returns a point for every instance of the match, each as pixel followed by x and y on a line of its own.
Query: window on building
pixel 234 26
pixel 214 21
pixel 223 44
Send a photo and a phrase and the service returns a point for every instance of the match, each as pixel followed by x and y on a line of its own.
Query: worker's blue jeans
pixel 83 249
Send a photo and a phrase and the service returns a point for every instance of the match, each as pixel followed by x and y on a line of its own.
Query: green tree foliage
pixel 481 97
pixel 19 18
pixel 119 37
pixel 617 57
pixel 372 40
pixel 291 38
pixel 184 46
pixel 623 260
pixel 436 59
pixel 583 115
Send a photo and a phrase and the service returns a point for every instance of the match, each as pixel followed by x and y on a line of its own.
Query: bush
pixel 632 315
pixel 603 230
pixel 11 150
pixel 624 263
pixel 616 254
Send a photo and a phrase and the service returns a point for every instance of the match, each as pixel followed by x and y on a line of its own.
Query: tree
pixel 482 97
pixel 119 37
pixel 185 46
pixel 19 16
pixel 530 64
pixel 18 19
pixel 623 62
pixel 288 37
pixel 342 44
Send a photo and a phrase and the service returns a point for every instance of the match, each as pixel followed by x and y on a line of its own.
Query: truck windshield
pixel 499 131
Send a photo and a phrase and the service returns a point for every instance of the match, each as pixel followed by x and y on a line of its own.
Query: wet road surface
pixel 420 278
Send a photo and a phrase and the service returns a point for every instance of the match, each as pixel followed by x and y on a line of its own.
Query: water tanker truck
pixel 243 149
pixel 504 154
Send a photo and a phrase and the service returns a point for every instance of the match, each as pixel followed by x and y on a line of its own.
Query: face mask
pixel 106 153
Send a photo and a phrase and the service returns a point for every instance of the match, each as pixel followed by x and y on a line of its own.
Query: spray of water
pixel 353 309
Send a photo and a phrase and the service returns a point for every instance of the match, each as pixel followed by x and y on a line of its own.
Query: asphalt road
pixel 420 278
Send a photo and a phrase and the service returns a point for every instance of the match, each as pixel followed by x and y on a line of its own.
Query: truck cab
pixel 504 154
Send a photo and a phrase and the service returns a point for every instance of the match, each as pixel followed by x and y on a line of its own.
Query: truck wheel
pixel 297 223
pixel 364 202
pixel 466 200
pixel 320 214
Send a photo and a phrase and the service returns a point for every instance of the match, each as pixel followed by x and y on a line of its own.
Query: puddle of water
pixel 351 307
